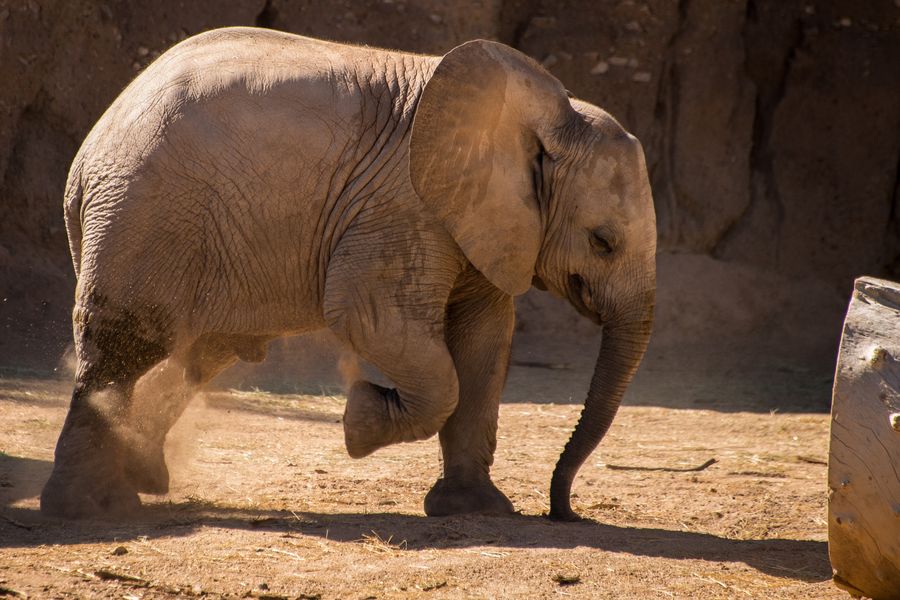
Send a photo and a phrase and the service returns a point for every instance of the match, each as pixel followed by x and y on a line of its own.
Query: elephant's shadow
pixel 804 560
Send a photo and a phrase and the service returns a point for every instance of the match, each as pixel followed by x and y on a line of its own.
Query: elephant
pixel 252 184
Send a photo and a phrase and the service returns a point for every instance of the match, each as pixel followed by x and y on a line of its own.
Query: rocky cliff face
pixel 772 127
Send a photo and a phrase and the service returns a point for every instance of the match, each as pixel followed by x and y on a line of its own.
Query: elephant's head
pixel 537 188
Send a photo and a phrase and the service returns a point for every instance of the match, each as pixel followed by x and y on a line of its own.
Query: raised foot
pixel 454 497
pixel 71 497
pixel 368 421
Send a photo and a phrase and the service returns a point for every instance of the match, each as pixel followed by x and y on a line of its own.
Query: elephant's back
pixel 248 67
pixel 242 93
pixel 216 163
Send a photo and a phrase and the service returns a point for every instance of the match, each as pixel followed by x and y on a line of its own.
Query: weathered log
pixel 864 460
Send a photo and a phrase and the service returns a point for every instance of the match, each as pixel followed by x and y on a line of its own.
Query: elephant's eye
pixel 601 242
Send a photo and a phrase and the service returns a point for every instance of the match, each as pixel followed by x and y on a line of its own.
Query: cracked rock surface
pixel 772 128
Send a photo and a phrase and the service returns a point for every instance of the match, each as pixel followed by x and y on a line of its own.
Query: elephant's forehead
pixel 605 182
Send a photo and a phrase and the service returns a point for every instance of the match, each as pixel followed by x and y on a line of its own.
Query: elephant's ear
pixel 482 119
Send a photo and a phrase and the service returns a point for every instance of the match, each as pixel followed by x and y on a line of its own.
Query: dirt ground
pixel 265 502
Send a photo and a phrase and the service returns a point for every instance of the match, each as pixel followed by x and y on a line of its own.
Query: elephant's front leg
pixel 479 331
pixel 419 364
pixel 400 330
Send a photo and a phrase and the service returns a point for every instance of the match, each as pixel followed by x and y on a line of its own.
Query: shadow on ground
pixel 803 560
pixel 21 478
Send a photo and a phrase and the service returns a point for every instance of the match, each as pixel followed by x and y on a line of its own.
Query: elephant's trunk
pixel 624 343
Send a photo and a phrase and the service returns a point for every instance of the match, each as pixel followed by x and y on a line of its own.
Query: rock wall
pixel 772 127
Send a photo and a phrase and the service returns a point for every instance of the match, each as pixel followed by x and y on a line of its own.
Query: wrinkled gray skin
pixel 252 184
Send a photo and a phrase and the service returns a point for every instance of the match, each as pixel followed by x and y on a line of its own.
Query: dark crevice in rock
pixel 515 22
pixel 267 16
pixel 771 88
pixel 893 226
pixel 666 113
pixel 519 33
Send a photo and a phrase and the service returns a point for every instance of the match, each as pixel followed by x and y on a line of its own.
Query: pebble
pixel 600 68
pixel 618 61
pixel 642 77
pixel 143 51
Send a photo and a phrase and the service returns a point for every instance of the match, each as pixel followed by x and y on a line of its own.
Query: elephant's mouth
pixel 580 296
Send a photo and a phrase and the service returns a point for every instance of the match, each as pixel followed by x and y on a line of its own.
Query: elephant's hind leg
pixel 162 396
pixel 113 350
pixel 479 333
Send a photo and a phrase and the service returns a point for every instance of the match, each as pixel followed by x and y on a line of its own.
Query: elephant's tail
pixel 72 205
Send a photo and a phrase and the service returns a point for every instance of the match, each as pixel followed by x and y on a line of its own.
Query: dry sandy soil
pixel 266 503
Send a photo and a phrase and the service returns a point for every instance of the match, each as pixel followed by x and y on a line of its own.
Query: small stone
pixel 895 421
pixel 119 551
pixel 436 19
pixel 143 51
pixel 600 68
pixel 136 66
pixel 264 586
pixel 549 61
pixel 567 578
pixel 845 22
pixel 618 61
pixel 809 9
pixel 642 77
pixel 876 357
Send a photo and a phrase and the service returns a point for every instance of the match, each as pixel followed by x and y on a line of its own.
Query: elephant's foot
pixel 73 495
pixel 146 467
pixel 370 419
pixel 88 478
pixel 454 497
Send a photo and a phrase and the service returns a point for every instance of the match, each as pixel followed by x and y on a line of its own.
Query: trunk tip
pixel 560 496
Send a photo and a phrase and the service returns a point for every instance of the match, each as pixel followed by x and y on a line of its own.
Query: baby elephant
pixel 252 184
